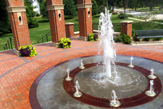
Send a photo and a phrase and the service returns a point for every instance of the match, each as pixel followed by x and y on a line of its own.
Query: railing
pixel 41 40
pixel 8 44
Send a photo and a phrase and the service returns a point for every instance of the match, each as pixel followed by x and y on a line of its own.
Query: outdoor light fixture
pixel 88 12
pixel 59 15
pixel 20 18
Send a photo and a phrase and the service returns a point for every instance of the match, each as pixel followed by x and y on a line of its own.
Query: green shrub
pixel 64 43
pixel 160 7
pixel 146 39
pixel 122 16
pixel 101 9
pixel 93 37
pixel 118 38
pixel 37 14
pixel 133 35
pixel 32 23
pixel 126 39
pixel 123 38
pixel 157 39
pixel 114 13
pixel 27 50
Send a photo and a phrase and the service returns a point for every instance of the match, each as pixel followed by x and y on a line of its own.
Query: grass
pixel 44 27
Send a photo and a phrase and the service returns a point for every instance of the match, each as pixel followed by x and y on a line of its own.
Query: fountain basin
pixel 48 92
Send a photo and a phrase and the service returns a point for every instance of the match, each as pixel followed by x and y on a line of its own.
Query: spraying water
pixel 106 41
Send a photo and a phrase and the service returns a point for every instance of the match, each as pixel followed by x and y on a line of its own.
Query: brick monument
pixel 126 27
pixel 56 19
pixel 18 21
pixel 85 18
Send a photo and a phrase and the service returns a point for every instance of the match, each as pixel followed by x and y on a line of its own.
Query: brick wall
pixel 126 27
pixel 83 1
pixel 69 30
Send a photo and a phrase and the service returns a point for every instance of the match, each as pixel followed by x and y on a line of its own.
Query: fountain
pixel 97 82
pixel 77 93
pixel 114 102
pixel 152 76
pixel 151 92
pixel 68 78
pixel 106 41
pixel 81 65
pixel 131 62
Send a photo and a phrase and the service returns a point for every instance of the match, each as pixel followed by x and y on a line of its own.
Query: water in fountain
pixel 106 41
pixel 100 78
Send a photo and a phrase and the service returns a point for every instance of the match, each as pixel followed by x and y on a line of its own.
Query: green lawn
pixel 44 27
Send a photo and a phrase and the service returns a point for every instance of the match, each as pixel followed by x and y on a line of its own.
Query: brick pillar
pixel 56 19
pixel 69 29
pixel 18 21
pixel 126 27
pixel 85 18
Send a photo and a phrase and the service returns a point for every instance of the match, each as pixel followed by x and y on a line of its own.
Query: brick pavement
pixel 18 73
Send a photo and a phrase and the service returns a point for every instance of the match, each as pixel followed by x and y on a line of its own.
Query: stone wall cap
pixel 76 32
pixel 126 21
pixel 69 23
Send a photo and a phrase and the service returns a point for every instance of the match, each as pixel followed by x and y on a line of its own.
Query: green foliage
pixel 101 8
pixel 37 14
pixel 101 2
pixel 133 35
pixel 32 23
pixel 69 8
pixel 94 7
pixel 43 9
pixel 4 19
pixel 157 39
pixel 64 43
pixel 160 7
pixel 147 25
pixel 123 38
pixel 126 39
pixel 122 16
pixel 146 39
pixel 93 37
pixel 27 50
pixel 118 38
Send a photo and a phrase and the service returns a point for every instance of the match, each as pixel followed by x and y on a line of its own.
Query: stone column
pixel 56 19
pixel 69 30
pixel 126 27
pixel 85 18
pixel 19 25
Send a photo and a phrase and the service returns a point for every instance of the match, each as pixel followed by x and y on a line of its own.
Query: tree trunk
pixel 151 8
pixel 112 8
pixel 124 6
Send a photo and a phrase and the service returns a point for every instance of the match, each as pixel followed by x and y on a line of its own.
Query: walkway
pixel 18 73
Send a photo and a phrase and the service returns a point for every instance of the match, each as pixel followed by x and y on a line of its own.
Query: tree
pixel 146 23
pixel 30 14
pixel 43 9
pixel 152 3
pixel 4 19
pixel 94 8
pixel 101 2
pixel 69 8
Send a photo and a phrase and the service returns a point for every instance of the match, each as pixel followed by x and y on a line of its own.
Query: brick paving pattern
pixel 18 73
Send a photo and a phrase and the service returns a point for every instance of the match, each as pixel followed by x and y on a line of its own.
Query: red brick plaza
pixel 18 73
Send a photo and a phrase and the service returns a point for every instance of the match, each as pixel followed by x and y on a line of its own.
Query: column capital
pixel 55 7
pixel 88 5
pixel 126 21
pixel 16 9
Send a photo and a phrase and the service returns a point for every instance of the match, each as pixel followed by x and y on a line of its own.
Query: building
pixel 36 6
